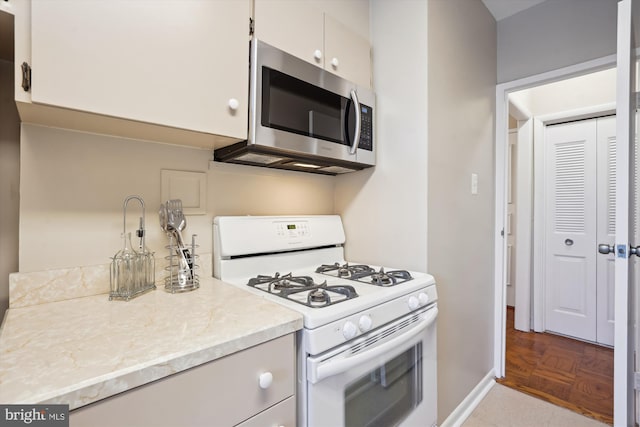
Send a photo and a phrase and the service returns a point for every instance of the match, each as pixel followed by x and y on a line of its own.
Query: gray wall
pixel 9 182
pixel 462 79
pixel 555 34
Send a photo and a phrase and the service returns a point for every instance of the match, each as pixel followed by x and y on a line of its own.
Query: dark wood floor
pixel 565 372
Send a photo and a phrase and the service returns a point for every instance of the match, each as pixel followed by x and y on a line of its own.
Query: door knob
pixel 605 249
pixel 568 242
pixel 634 251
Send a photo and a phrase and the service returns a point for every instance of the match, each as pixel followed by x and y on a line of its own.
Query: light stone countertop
pixel 82 350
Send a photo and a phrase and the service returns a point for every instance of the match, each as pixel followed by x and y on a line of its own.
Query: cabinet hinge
pixel 250 26
pixel 26 77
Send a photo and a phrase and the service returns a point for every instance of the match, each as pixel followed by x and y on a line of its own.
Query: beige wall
pixel 9 182
pixel 462 79
pixel 73 185
pixel 385 209
pixel 579 92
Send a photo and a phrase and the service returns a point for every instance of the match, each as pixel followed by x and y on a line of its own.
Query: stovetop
pixel 299 287
pixel 310 292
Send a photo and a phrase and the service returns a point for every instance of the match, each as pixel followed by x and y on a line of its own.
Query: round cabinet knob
pixel 317 54
pixel 233 104
pixel 423 298
pixel 265 380
pixel 365 323
pixel 413 303
pixel 335 63
pixel 349 330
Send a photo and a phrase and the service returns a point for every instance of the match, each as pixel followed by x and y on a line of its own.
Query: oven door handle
pixel 319 370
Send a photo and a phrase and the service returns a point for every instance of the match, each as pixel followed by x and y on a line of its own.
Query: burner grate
pixel 303 290
pixel 365 274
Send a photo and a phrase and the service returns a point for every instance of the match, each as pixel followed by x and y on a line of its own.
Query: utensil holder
pixel 180 277
pixel 132 272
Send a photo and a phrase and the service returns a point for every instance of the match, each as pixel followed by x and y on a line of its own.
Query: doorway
pixel 534 110
pixel 528 252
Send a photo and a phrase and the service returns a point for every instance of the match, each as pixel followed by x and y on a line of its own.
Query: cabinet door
pixel 174 63
pixel 347 54
pixel 293 26
pixel 304 29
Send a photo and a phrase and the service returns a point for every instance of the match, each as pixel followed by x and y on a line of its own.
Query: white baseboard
pixel 473 399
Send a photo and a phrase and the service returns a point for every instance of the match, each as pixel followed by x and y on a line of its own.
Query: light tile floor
pixel 505 407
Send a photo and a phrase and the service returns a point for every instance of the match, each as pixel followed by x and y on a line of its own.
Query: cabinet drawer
pixel 219 393
pixel 282 415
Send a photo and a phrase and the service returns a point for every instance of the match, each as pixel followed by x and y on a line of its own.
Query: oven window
pixel 386 395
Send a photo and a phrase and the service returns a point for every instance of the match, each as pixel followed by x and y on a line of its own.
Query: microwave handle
pixel 356 136
pixel 317 371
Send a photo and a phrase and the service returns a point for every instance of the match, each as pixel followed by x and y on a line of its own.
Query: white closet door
pixel 570 258
pixel 606 228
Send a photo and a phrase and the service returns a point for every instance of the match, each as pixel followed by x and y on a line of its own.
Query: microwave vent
pixel 262 159
pixel 337 169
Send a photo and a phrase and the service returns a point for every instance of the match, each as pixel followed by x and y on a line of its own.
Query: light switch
pixel 474 183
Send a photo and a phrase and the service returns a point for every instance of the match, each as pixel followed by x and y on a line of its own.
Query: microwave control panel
pixel 366 128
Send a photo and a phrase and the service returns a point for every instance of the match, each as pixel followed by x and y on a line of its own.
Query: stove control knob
pixel 413 303
pixel 365 323
pixel 423 297
pixel 349 330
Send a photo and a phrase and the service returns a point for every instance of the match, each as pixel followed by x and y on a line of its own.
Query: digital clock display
pixel 291 226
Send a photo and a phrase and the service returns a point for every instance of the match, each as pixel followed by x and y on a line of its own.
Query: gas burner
pixel 380 278
pixel 365 274
pixel 345 271
pixel 277 283
pixel 302 289
pixel 318 296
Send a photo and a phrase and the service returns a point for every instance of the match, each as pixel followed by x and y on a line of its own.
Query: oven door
pixel 385 378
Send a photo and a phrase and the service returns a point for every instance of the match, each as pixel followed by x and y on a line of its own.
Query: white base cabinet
pixel 224 392
pixel 175 64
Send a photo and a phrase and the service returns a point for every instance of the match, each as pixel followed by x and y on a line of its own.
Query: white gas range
pixel 367 352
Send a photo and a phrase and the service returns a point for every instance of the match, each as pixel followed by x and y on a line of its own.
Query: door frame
pixel 539 197
pixel 501 148
pixel 523 213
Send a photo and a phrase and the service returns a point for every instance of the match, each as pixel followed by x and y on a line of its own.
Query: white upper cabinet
pixel 293 26
pixel 177 64
pixel 346 53
pixel 325 33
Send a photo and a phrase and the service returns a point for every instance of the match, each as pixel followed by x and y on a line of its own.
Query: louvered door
pixel 606 228
pixel 570 235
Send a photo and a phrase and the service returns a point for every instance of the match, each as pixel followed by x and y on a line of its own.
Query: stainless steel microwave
pixel 303 118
